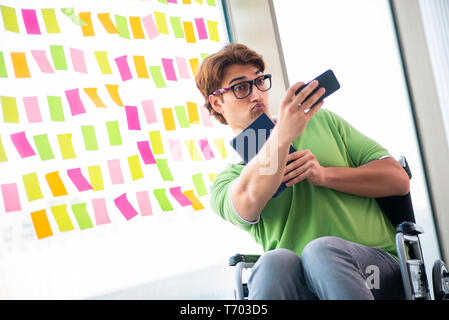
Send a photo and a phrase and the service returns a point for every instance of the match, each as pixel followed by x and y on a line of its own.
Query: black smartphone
pixel 326 80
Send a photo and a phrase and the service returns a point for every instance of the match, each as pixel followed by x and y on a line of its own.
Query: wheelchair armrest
pixel 409 228
pixel 251 258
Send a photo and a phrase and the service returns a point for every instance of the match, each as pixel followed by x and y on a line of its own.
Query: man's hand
pixel 304 165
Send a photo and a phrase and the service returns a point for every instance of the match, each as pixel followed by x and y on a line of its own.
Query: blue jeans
pixel 329 268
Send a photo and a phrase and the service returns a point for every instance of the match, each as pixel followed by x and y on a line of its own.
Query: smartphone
pixel 326 80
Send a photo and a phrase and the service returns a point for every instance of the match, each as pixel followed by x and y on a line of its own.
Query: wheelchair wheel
pixel 440 277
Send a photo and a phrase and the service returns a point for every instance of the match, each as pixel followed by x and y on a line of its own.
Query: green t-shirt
pixel 304 212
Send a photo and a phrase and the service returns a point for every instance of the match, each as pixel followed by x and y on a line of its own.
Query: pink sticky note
pixel 145 152
pixel 172 1
pixel 78 179
pixel 123 68
pixel 100 211
pixel 79 64
pixel 75 103
pixel 205 149
pixel 125 207
pixel 148 110
pixel 150 26
pixel 181 63
pixel 30 20
pixel 180 197
pixel 202 34
pixel 11 198
pixel 32 109
pixel 175 147
pixel 205 115
pixel 115 172
pixel 132 116
pixel 22 145
pixel 42 61
pixel 143 200
pixel 169 70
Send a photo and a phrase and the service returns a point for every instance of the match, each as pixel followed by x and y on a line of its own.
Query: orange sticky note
pixel 188 30
pixel 107 23
pixel 55 183
pixel 88 29
pixel 141 67
pixel 41 224
pixel 92 93
pixel 194 64
pixel 136 27
pixel 20 65
pixel 169 119
pixel 192 110
pixel 113 92
pixel 196 204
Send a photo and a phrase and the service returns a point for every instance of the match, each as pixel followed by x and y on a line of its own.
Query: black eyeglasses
pixel 243 89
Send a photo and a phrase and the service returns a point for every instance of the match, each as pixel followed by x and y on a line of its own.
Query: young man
pixel 324 236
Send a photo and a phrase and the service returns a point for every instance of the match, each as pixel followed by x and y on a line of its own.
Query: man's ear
pixel 216 103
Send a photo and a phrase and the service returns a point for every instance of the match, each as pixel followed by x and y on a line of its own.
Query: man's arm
pixel 377 178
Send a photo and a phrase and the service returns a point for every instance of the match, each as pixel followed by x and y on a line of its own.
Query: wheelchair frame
pixel 413 272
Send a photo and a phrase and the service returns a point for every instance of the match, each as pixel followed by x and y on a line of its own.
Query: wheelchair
pixel 399 210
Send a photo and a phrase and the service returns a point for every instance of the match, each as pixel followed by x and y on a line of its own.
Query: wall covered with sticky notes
pixel 104 138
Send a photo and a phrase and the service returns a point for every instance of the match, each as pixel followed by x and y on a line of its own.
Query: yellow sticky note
pixel 88 28
pixel 41 224
pixel 188 30
pixel 156 142
pixel 135 168
pixel 92 93
pixel 161 22
pixel 55 183
pixel 136 27
pixel 9 107
pixel 20 65
pixel 103 63
pixel 193 150
pixel 196 204
pixel 3 156
pixel 50 20
pixel 96 179
pixel 62 218
pixel 192 111
pixel 107 23
pixel 113 92
pixel 32 187
pixel 213 31
pixel 141 67
pixel 66 146
pixel 169 119
pixel 221 147
pixel 212 176
pixel 194 65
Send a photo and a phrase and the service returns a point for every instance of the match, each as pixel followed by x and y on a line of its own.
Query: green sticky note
pixel 3 156
pixel 204 56
pixel 9 107
pixel 58 56
pixel 164 170
pixel 50 20
pixel 177 27
pixel 43 147
pixel 211 3
pixel 115 138
pixel 62 218
pixel 55 107
pixel 199 185
pixel 162 199
pixel 121 24
pixel 103 63
pixel 156 142
pixel 158 79
pixel 70 13
pixel 161 22
pixel 3 72
pixel 182 116
pixel 82 216
pixel 163 1
pixel 10 19
pixel 90 139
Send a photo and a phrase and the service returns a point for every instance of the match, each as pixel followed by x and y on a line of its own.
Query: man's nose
pixel 256 94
